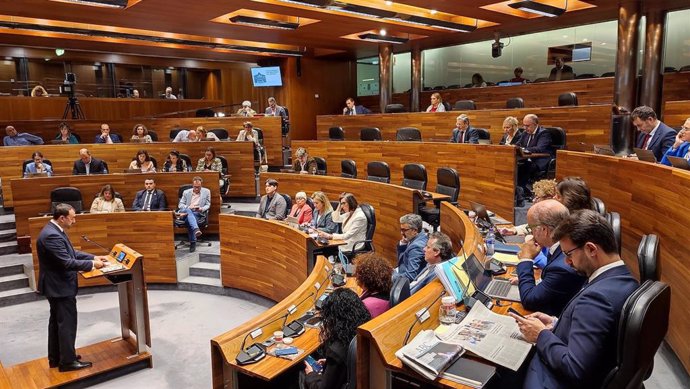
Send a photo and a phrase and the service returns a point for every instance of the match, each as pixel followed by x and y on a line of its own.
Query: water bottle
pixel 489 240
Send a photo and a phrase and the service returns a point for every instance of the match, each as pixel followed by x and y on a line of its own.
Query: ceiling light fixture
pixel 433 12
pixel 442 24
pixel 539 8
pixel 371 37
pixel 309 3
pixel 382 32
pixel 122 4
pixel 263 23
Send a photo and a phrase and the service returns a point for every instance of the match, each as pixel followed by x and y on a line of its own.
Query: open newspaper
pixel 428 355
pixel 489 335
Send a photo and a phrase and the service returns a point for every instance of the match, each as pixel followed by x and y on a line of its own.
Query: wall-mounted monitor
pixel 266 76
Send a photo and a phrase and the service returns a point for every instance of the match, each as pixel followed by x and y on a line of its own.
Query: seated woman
pixel 436 103
pixel 681 146
pixel 322 215
pixel 39 91
pixel 203 134
pixel 65 134
pixel 175 163
pixel 143 162
pixel 248 133
pixel 374 277
pixel 37 166
pixel 352 220
pixel 141 134
pixel 301 210
pixel 342 313
pixel 106 201
pixel 511 133
pixel 478 81
pixel 213 163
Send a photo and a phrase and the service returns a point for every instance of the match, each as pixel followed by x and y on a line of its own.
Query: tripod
pixel 74 107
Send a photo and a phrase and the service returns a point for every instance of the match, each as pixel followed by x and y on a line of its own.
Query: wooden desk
pixel 675 112
pixel 651 199
pixel 487 172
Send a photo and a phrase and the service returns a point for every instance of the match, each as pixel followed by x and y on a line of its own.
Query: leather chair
pixel 399 291
pixel 599 206
pixel 541 79
pixel 614 219
pixel 205 113
pixel 515 102
pixel 558 141
pixel 348 168
pixel 448 183
pixel 367 245
pixel 288 204
pixel 394 108
pixel 446 106
pixel 379 171
pixel 567 99
pixel 464 105
pixel 351 365
pixel 370 134
pixel 454 86
pixel 321 167
pixel 483 134
pixel 221 133
pixel 153 135
pixel 685 68
pixel 202 221
pixel 190 166
pixel 225 187
pixel 585 76
pixel 641 329
pixel 647 252
pixel 410 134
pixel 66 195
pixel 28 161
pixel 285 122
pixel 414 176
pixel 336 133
pixel 106 170
pixel 438 87
pixel 609 74
pixel 175 131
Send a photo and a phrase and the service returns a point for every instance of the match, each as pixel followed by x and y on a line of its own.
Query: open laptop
pixel 132 171
pixel 679 162
pixel 489 218
pixel 494 287
pixel 603 150
pixel 292 221
pixel 645 155
pixel 43 174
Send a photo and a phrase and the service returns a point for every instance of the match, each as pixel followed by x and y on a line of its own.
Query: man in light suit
pixel 194 204
pixel 438 249
pixel 559 282
pixel 463 132
pixel 150 198
pixel 411 247
pixel 535 139
pixel 57 281
pixel 578 349
pixel 86 164
pixel 654 135
pixel 351 108
pixel 274 109
pixel 272 205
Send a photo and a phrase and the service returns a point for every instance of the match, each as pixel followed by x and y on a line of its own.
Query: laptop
pixel 485 217
pixel 603 150
pixel 43 174
pixel 494 287
pixel 292 221
pixel 679 162
pixel 58 141
pixel 645 155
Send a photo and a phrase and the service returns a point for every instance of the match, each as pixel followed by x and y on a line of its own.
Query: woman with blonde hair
pixel 511 133
pixel 322 218
pixel 436 103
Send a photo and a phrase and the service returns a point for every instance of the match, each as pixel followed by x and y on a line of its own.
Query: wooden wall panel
pixel 487 173
pixel 651 199
pixel 240 157
pixel 676 112
pixel 675 86
pixel 584 126
pixel 135 229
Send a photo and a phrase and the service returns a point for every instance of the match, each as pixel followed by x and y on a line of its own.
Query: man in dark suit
pixel 463 132
pixel 274 109
pixel 411 247
pixel 150 199
pixel 106 136
pixel 534 140
pixel 86 164
pixel 438 249
pixel 561 71
pixel 57 281
pixel 578 349
pixel 559 282
pixel 654 135
pixel 353 109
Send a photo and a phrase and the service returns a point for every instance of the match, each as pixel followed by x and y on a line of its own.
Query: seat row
pixel 564 100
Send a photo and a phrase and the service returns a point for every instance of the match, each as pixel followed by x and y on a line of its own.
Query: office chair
pixel 225 185
pixel 66 195
pixel 367 245
pixel 321 167
pixel 336 133
pixel 483 134
pixel 558 142
pixel 585 76
pixel 205 113
pixel 447 183
pixel 105 167
pixel 414 176
pixel 567 99
pixel 153 135
pixel 202 221
pixel 188 161
pixel 465 105
pixel 288 204
pixel 410 134
pixel 285 122
pixel 394 108
pixel 370 134
pixel 379 171
pixel 175 131
pixel 221 133
pixel 614 219
pixel 348 168
pixel 351 365
pixel 598 205
pixel 647 252
pixel 28 161
pixel 609 74
pixel 515 102
pixel 399 291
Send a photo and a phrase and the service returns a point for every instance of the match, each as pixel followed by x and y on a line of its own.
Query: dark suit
pixel 566 73
pixel 581 349
pixel 559 283
pixel 411 257
pixel 96 166
pixel 359 110
pixel 57 281
pixel 323 223
pixel 470 136
pixel 113 137
pixel 158 201
pixel 539 142
pixel 663 139
pixel 515 140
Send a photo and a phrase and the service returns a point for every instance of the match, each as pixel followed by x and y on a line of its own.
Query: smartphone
pixel 314 365
pixel 511 310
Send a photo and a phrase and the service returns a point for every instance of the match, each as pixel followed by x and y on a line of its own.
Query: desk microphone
pixel 416 320
pixel 256 351
pixel 294 328
pixel 320 300
pixel 86 238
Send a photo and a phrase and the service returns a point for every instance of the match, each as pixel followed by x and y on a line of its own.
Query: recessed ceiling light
pixel 603 43
pixel 99 3
pixel 433 12
pixel 539 8
pixel 389 3
pixel 382 32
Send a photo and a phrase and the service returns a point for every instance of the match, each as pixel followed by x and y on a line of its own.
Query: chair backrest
pixel 351 365
pixel 348 168
pixel 685 68
pixel 557 137
pixel 321 167
pixel 188 161
pixel 336 133
pixel 379 171
pixel 541 79
pixel 464 105
pixel 105 167
pixel 414 176
pixel 260 135
pixel 408 134
pixel 224 162
pixel 483 133
pixel 608 74
pixel 369 134
pixel 446 106
pixel 641 329
pixel 371 222
pixel 599 206
pixel 221 133
pixel 585 75
pixel 614 219
pixel 153 135
pixel 394 108
pixel 174 132
pixel 77 136
pixel 399 291
pixel 67 195
pixel 647 252
pixel 205 113
pixel 310 203
pixel 288 203
pixel 515 102
pixel 448 183
pixel 566 99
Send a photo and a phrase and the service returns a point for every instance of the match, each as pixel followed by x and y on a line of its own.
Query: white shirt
pixel 651 134
pixel 604 268
pixel 58 226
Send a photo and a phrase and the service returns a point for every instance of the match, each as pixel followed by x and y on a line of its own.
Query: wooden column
pixel 650 93
pixel 416 74
pixel 385 75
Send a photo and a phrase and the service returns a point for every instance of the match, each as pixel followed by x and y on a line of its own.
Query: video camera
pixel 67 87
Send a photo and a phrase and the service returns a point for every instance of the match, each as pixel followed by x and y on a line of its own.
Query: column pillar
pixel 385 75
pixel 416 75
pixel 650 93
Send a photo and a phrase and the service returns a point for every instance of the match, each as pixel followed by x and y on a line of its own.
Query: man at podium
pixel 57 281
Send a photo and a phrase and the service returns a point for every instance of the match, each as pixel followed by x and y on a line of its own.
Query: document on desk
pixel 428 355
pixel 491 336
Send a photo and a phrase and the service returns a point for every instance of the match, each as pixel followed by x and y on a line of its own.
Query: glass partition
pixel 677 45
pixel 368 76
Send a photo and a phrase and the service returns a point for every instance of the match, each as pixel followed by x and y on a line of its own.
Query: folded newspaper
pixel 428 355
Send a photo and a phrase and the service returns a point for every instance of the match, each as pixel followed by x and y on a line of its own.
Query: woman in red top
pixel 301 210
pixel 436 103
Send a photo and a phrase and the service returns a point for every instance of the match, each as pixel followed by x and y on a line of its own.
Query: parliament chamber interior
pixel 223 178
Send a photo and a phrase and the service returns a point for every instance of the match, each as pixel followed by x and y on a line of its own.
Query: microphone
pixel 294 328
pixel 320 300
pixel 86 238
pixel 256 351
pixel 416 320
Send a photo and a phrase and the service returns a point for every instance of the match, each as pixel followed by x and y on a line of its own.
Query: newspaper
pixel 491 336
pixel 428 355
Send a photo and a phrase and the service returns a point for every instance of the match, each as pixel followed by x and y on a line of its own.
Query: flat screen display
pixel 266 76
pixel 121 256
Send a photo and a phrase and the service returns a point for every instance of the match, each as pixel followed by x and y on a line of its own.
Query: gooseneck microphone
pixel 256 351
pixel 294 328
pixel 86 238
pixel 416 320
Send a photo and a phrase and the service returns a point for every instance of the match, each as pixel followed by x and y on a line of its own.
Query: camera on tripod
pixel 67 87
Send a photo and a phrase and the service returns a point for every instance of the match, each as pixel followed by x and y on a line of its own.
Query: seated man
pixel 411 247
pixel 193 203
pixel 535 139
pixel 106 136
pixel 186 136
pixel 86 164
pixel 681 146
pixel 578 349
pixel 246 110
pixel 150 198
pixel 561 71
pixel 351 108
pixel 654 135
pixel 304 164
pixel 272 205
pixel 463 132
pixel 37 166
pixel 559 282
pixel 274 109
pixel 438 249
pixel 22 139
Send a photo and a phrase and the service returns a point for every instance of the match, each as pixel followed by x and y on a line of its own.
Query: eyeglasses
pixel 405 229
pixel 531 227
pixel 570 252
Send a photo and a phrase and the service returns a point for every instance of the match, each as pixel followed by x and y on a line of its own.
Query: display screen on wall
pixel 266 76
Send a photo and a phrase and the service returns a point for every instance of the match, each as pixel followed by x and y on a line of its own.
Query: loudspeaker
pixel 299 67
pixel 496 49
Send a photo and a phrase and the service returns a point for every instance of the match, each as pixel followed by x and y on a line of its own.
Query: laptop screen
pixel 476 271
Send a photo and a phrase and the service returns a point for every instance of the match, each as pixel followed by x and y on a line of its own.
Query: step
pixel 17 296
pixel 8 234
pixel 14 281
pixel 205 269
pixel 9 248
pixel 201 283
pixel 4 225
pixel 6 270
pixel 210 258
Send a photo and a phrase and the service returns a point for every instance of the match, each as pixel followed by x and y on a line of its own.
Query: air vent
pixel 263 23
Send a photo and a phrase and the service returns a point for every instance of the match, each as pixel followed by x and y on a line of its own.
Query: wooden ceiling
pixel 200 29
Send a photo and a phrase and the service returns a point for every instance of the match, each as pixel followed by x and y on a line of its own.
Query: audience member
pixel 579 348
pixel 272 205
pixel 141 134
pixel 654 135
pixel 534 140
pixel 65 134
pixel 186 136
pixel 246 110
pixel 518 76
pixel 135 94
pixel 174 163
pixel 681 146
pixel 248 133
pixel 463 132
pixel 39 91
pixel 411 247
pixel 322 215
pixel 373 275
pixel 436 103
pixel 511 133
pixel 342 313
pixel 106 136
pixel 301 210
pixel 86 164
pixel 209 161
pixel 37 166
pixel 574 193
pixel 438 249
pixel 106 201
pixel 202 134
pixel 143 162
pixel 351 108
pixel 150 198
pixel 478 81
pixel 194 202
pixel 21 139
pixel 561 71
pixel 169 94
pixel 303 164
pixel 353 223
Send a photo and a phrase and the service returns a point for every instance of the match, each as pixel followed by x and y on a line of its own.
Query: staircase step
pixel 7 270
pixel 9 247
pixel 14 281
pixel 4 225
pixel 7 235
pixel 209 258
pixel 205 281
pixel 205 269
pixel 17 296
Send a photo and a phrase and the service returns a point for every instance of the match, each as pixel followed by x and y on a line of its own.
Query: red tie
pixel 644 141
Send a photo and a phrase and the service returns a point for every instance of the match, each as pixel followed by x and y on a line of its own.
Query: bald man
pixel 86 164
